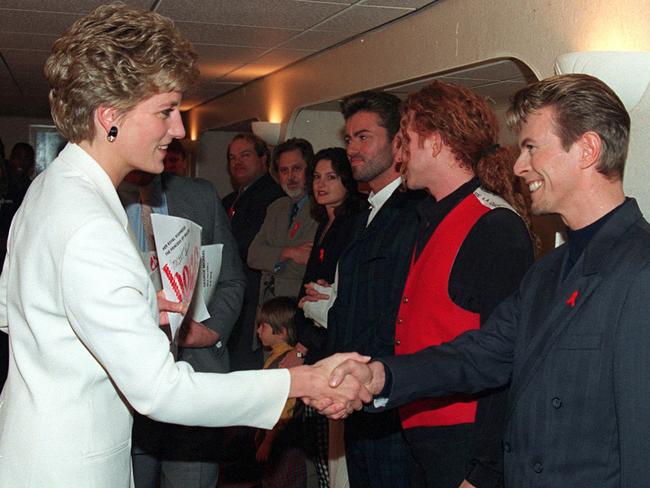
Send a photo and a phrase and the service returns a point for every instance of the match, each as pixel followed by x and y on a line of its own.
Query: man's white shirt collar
pixel 377 200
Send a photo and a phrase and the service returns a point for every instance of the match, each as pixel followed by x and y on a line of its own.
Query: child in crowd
pixel 278 449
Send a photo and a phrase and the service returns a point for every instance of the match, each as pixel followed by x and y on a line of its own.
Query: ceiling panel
pixel 24 106
pixel 204 94
pixel 81 6
pixel 360 19
pixel 40 42
pixel 228 54
pixel 214 89
pixel 289 14
pixel 6 80
pixel 343 2
pixel 250 72
pixel 237 41
pixel 35 22
pixel 397 3
pixel 216 71
pixel 283 56
pixel 34 86
pixel 204 33
pixel 22 60
pixel 316 39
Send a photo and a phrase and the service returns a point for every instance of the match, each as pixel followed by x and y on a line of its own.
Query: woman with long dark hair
pixel 336 202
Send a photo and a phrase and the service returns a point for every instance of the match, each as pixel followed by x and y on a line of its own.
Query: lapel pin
pixel 294 229
pixel 571 302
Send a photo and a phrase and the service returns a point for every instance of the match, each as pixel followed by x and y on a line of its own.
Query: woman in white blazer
pixel 75 298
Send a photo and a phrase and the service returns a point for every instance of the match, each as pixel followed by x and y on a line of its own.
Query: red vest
pixel 427 315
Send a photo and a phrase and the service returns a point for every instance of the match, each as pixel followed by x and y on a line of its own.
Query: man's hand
pixel 298 254
pixel 466 484
pixel 313 295
pixel 311 383
pixel 195 334
pixel 371 375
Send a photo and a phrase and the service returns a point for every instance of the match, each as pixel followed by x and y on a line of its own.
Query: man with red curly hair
pixel 471 252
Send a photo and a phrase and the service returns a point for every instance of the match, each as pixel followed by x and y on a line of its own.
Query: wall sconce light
pixel 627 73
pixel 269 132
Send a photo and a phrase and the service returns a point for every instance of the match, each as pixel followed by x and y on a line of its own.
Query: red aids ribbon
pixel 153 262
pixel 571 302
pixel 294 229
pixel 321 255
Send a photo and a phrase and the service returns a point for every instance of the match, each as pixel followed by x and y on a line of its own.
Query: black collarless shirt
pixel 491 260
pixel 577 240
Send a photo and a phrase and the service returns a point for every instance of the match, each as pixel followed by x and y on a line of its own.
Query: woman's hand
pixel 165 306
pixel 313 295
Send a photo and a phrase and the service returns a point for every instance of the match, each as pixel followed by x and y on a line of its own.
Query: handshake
pixel 339 384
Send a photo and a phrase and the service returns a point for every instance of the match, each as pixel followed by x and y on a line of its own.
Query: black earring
pixel 112 134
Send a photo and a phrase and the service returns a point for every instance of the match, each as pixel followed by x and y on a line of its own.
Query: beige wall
pixel 448 35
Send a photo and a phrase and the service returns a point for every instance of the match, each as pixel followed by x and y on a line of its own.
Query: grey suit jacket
pixel 275 234
pixel 197 200
pixel 575 344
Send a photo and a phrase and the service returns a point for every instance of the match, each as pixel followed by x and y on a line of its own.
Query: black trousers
pixel 375 451
pixel 438 456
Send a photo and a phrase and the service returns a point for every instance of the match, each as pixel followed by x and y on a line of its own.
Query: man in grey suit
pixel 281 248
pixel 573 341
pixel 186 456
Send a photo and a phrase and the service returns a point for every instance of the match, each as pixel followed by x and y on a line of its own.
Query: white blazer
pixel 85 346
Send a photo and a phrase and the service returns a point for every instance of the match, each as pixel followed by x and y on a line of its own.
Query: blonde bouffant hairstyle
pixel 116 56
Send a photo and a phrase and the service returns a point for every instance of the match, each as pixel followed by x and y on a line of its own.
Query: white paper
pixel 151 262
pixel 178 242
pixel 209 270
